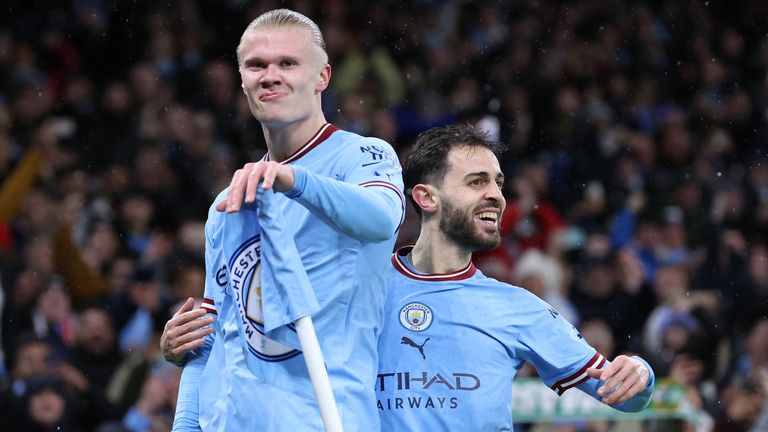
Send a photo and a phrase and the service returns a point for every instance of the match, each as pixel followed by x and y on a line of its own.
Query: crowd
pixel 637 177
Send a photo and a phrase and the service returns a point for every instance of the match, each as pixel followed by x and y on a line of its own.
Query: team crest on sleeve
pixel 416 316
pixel 245 281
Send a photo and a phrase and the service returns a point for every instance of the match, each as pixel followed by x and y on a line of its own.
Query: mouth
pixel 488 218
pixel 270 97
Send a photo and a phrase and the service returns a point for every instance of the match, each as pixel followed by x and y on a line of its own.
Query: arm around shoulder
pixel 187 416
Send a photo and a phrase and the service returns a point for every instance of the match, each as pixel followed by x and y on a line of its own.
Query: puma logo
pixel 408 341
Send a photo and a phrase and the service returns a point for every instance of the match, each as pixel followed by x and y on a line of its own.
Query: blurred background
pixel 637 178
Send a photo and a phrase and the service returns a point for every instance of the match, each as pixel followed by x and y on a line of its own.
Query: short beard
pixel 460 228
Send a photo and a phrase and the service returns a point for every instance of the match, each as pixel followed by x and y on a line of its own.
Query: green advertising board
pixel 534 402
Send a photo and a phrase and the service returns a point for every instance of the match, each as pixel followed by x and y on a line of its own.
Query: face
pixel 471 199
pixel 96 335
pixel 31 359
pixel 47 407
pixel 282 75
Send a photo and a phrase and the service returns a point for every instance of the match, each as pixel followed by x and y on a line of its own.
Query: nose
pixel 270 76
pixel 493 192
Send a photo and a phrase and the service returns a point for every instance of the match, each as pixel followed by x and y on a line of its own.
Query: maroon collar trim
pixel 321 135
pixel 399 262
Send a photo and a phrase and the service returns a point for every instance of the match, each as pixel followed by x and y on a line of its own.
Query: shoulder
pixel 504 289
pixel 352 140
pixel 510 296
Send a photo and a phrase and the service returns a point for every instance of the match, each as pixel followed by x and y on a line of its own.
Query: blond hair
pixel 281 18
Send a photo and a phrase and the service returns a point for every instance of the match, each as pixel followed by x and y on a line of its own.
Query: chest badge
pixel 416 316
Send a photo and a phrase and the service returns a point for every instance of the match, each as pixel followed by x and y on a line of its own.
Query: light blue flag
pixel 286 291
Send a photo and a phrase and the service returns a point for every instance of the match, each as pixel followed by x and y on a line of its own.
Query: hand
pixel 622 379
pixel 247 179
pixel 185 331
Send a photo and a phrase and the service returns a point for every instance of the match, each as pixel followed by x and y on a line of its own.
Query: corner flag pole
pixel 318 374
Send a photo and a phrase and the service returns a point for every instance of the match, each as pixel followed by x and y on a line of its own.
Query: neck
pixel 434 253
pixel 285 139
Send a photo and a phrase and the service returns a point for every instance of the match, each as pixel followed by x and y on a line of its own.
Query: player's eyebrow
pixel 485 175
pixel 277 59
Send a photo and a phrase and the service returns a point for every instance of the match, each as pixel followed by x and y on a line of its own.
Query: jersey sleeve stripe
pixel 377 183
pixel 209 306
pixel 597 361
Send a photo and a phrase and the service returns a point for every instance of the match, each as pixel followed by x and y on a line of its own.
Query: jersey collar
pixel 399 261
pixel 321 135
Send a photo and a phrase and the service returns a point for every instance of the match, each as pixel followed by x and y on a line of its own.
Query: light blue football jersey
pixel 452 344
pixel 257 383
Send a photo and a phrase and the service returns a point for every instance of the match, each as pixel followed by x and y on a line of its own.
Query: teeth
pixel 487 215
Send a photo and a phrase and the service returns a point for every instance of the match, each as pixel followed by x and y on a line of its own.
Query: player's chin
pixel 489 240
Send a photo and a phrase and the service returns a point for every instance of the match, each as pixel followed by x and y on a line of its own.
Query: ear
pixel 424 196
pixel 324 78
pixel 244 90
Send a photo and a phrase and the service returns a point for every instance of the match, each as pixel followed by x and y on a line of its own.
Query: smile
pixel 488 218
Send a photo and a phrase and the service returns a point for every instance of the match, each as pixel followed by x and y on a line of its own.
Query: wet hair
pixel 282 18
pixel 427 162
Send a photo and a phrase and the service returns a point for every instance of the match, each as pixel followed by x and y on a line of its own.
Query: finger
pixel 635 389
pixel 189 346
pixel 611 370
pixel 269 175
pixel 184 339
pixel 619 392
pixel 193 325
pixel 595 372
pixel 236 189
pixel 618 376
pixel 254 178
pixel 186 307
pixel 221 205
pixel 180 328
pixel 182 319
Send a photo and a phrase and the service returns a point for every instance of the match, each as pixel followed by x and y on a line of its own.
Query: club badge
pixel 416 316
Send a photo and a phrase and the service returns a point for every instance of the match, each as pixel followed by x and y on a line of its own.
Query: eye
pixel 477 182
pixel 288 63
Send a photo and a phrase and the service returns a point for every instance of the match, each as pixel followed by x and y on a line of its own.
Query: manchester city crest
pixel 245 281
pixel 416 316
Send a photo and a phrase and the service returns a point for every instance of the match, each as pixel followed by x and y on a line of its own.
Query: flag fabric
pixel 286 294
